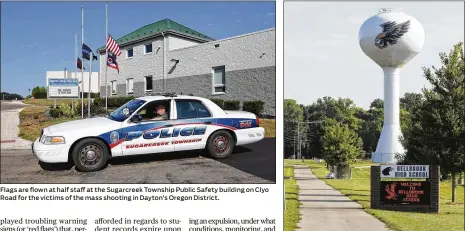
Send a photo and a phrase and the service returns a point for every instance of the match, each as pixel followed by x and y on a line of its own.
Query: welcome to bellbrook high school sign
pixel 404 171
pixel 405 188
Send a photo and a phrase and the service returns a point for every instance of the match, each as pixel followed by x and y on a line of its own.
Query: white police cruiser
pixel 190 123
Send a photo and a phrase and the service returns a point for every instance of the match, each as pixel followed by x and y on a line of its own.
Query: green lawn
pixel 47 102
pixel 270 127
pixel 32 120
pixel 450 217
pixel 291 214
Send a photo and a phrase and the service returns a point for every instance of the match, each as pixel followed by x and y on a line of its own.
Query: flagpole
pixel 75 65
pixel 106 57
pixel 90 75
pixel 82 69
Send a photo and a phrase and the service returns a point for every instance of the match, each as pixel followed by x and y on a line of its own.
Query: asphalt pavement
pixel 254 163
pixel 5 106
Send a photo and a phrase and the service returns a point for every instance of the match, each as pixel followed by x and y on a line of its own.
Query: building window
pixel 148 83
pixel 129 52
pixel 148 48
pixel 130 86
pixel 219 80
pixel 113 87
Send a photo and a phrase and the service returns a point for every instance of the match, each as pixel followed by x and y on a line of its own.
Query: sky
pixel 322 56
pixel 39 36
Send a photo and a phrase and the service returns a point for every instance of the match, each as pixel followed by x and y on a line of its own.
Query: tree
pixel 411 101
pixel 10 96
pixel 342 110
pixel 372 125
pixel 437 131
pixel 293 114
pixel 377 103
pixel 39 92
pixel 341 145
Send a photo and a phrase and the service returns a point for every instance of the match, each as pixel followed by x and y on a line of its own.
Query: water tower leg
pixel 389 144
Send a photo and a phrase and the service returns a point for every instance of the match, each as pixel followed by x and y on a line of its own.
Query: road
pixel 5 106
pixel 254 163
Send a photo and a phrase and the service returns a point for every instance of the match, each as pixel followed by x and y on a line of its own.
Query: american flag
pixel 112 46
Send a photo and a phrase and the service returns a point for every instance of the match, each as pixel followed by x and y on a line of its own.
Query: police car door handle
pixel 209 122
pixel 169 125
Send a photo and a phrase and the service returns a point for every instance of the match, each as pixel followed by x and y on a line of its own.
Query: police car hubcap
pixel 220 144
pixel 90 155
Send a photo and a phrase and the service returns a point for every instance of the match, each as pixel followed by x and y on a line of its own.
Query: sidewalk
pixel 326 209
pixel 9 131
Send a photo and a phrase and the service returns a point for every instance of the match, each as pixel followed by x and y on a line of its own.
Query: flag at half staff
pixel 86 52
pixel 111 61
pixel 79 64
pixel 112 46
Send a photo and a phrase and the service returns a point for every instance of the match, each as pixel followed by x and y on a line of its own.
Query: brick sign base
pixel 433 206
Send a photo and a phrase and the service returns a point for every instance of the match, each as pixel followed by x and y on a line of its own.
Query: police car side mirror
pixel 136 118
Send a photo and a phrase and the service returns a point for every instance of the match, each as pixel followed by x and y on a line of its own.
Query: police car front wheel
pixel 220 145
pixel 90 155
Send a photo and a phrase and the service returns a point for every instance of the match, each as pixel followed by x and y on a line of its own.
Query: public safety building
pixel 168 57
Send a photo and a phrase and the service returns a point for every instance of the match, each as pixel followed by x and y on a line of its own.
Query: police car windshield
pixel 126 110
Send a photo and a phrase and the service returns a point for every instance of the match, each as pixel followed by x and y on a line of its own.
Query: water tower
pixel 391 39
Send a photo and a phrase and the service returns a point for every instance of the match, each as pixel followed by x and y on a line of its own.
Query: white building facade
pixel 94 85
pixel 239 68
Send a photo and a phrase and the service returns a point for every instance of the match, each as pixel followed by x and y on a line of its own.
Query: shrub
pixel 255 106
pixel 218 102
pixel 54 112
pixel 232 105
pixel 99 102
pixel 94 109
pixel 112 101
pixel 66 110
pixel 92 95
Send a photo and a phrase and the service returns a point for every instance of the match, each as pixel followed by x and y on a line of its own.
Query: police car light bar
pixel 166 94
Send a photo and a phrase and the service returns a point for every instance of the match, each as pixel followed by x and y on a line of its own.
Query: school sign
pixel 404 171
pixel 405 187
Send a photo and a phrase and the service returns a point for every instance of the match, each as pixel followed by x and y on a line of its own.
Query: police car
pixel 189 123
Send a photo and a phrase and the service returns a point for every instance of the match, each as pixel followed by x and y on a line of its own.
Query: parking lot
pixel 254 163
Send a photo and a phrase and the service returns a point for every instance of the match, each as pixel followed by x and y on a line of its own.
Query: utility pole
pixel 295 139
pixel 299 149
pixel 298 140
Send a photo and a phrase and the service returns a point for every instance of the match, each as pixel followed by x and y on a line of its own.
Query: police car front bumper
pixel 56 153
pixel 249 135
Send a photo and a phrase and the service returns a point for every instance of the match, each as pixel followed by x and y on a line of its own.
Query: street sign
pixel 63 88
pixel 405 192
pixel 404 171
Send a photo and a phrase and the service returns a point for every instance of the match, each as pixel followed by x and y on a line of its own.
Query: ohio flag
pixel 111 61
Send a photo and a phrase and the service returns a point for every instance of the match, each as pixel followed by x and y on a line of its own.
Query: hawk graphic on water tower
pixel 391 33
pixel 391 39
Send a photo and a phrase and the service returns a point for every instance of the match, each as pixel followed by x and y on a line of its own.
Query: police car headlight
pixel 53 140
